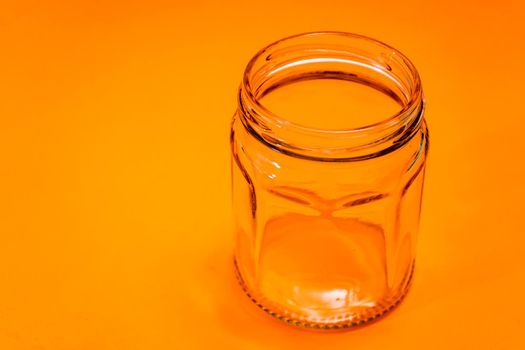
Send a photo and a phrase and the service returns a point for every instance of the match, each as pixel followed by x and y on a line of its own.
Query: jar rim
pixel 264 119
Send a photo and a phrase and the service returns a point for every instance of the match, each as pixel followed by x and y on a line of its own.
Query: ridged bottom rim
pixel 360 319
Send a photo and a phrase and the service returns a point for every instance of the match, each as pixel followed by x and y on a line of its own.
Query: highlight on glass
pixel 329 145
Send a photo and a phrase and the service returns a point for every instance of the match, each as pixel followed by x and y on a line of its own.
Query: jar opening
pixel 330 100
pixel 330 95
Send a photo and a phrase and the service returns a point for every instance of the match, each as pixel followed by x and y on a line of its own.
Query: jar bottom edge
pixel 358 320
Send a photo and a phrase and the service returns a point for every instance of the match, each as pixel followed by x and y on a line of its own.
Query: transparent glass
pixel 328 156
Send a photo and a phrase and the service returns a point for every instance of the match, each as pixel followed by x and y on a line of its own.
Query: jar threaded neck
pixel 340 56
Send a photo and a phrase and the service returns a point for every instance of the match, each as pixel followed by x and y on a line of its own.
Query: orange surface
pixel 115 193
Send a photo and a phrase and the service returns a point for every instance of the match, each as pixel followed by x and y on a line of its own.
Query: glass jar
pixel 328 158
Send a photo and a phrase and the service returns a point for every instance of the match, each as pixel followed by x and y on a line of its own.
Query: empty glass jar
pixel 328 158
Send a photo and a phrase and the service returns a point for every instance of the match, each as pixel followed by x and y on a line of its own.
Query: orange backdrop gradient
pixel 115 215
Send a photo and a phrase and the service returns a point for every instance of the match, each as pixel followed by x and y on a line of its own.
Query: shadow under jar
pixel 328 158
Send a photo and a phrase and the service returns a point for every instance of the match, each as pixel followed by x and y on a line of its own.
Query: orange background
pixel 115 209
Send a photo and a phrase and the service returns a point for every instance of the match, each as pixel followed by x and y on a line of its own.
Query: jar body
pixel 325 243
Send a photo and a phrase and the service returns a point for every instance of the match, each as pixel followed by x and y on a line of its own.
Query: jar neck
pixel 340 56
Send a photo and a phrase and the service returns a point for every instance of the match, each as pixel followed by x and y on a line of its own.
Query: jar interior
pixel 330 100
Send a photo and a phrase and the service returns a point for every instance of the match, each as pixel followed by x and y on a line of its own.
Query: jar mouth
pixel 333 55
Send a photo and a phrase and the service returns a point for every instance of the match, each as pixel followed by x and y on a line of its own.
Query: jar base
pixel 349 321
